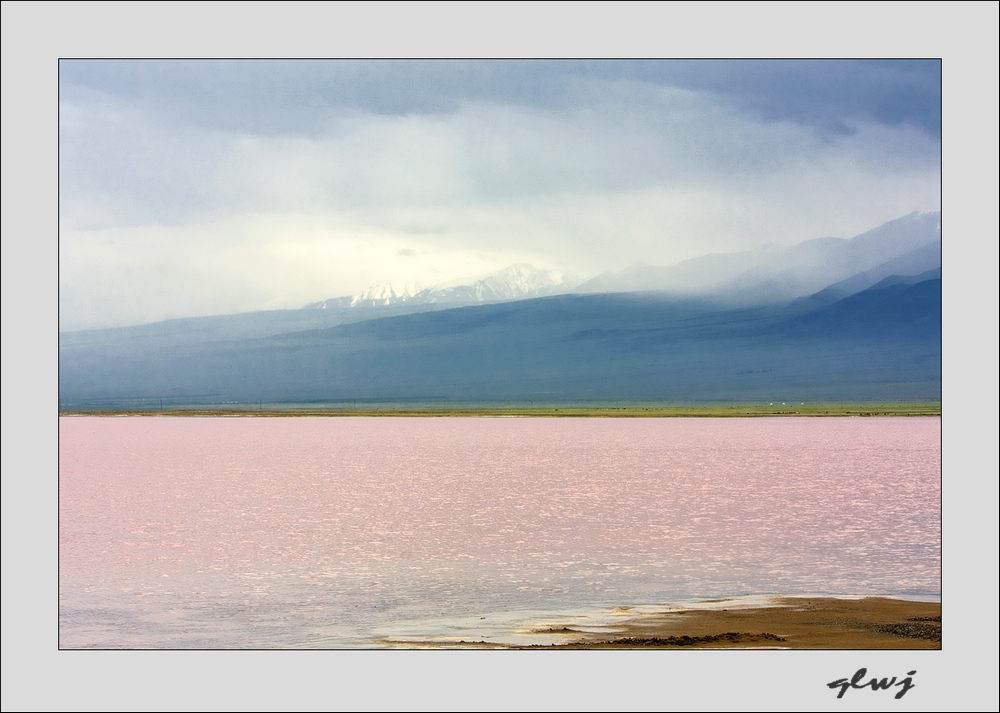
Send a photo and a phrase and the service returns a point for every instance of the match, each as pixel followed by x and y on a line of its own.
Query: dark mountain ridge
pixel 882 343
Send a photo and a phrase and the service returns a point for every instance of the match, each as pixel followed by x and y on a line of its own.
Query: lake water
pixel 351 532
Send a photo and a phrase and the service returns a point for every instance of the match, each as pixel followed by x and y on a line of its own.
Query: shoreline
pixel 912 409
pixel 746 623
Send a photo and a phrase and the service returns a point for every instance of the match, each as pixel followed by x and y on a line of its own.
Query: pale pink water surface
pixel 278 532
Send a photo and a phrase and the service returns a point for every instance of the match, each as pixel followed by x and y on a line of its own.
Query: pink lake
pixel 347 532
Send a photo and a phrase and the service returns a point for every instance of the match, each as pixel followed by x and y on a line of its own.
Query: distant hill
pixel 882 343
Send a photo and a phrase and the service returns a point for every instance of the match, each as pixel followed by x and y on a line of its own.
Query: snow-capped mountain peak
pixel 516 282
pixel 519 281
pixel 391 293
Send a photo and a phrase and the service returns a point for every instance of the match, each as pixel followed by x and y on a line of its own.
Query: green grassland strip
pixel 736 411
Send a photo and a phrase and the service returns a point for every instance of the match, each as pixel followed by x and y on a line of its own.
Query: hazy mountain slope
pixel 178 333
pixel 883 343
pixel 862 281
pixel 514 282
pixel 917 265
pixel 771 275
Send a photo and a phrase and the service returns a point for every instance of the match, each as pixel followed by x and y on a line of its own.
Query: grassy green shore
pixel 695 411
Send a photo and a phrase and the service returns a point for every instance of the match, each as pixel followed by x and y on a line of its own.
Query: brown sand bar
pixel 781 623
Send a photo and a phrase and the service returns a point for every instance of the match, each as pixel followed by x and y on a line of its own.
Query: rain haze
pixel 199 187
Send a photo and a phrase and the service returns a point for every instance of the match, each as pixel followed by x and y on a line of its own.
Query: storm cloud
pixel 191 187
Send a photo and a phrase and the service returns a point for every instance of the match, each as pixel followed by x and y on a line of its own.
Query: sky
pixel 198 187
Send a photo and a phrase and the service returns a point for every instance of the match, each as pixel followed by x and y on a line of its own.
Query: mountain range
pixel 829 319
pixel 517 282
pixel 767 275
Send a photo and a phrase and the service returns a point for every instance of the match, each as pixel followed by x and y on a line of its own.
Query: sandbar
pixel 783 623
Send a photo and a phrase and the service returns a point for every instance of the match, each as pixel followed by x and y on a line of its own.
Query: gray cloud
pixel 226 186
pixel 291 96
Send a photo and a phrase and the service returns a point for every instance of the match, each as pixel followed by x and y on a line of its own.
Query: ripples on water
pixel 275 532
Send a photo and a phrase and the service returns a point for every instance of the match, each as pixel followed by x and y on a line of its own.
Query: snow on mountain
pixel 518 281
pixel 513 283
pixel 388 294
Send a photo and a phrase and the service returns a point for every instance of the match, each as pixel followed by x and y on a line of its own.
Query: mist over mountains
pixel 768 275
pixel 827 319
pixel 773 274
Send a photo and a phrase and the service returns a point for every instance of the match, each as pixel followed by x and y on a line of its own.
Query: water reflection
pixel 242 532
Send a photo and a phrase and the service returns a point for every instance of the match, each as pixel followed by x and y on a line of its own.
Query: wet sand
pixel 788 623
